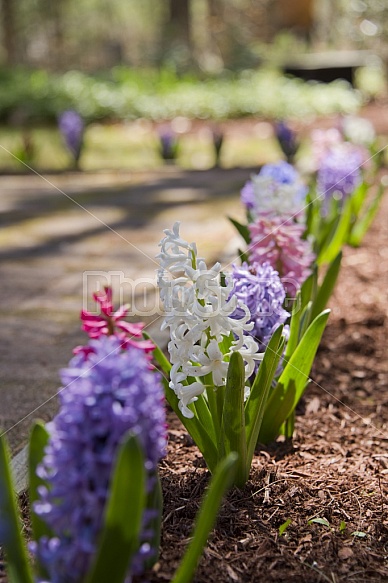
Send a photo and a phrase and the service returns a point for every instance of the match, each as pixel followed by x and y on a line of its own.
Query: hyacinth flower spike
pixel 110 322
pixel 111 393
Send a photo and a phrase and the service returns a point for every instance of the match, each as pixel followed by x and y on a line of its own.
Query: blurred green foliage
pixel 28 97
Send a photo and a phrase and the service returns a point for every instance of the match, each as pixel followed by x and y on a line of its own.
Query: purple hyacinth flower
pixel 339 173
pixel 72 130
pixel 104 397
pixel 261 290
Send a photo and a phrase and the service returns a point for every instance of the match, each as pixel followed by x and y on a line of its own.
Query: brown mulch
pixel 336 467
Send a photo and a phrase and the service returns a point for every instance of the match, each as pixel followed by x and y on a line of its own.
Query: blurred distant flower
pixel 339 172
pixel 218 139
pixel 321 143
pixel 72 129
pixel 280 243
pixel 359 131
pixel 168 144
pixel 105 397
pixel 287 140
pixel 276 190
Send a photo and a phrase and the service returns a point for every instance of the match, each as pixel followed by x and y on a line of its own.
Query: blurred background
pixel 140 75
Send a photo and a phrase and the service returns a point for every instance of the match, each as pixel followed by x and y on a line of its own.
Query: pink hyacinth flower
pixel 110 322
pixel 280 242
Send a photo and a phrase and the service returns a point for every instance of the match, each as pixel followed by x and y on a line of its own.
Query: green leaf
pixel 38 441
pixel 155 502
pixel 287 429
pixel 119 538
pixel 362 225
pixel 292 381
pixel 305 320
pixel 359 534
pixel 338 237
pixel 257 400
pixel 203 413
pixel 159 356
pixel 319 521
pixel 342 526
pixel 327 286
pixel 309 287
pixel 358 197
pixel 18 568
pixel 243 256
pixel 294 328
pixel 242 229
pixel 195 428
pixel 220 482
pixel 283 527
pixel 233 436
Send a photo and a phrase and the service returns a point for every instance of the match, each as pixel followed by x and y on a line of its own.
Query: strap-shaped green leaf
pixel 155 503
pixel 233 436
pixel 195 428
pixel 292 381
pixel 158 355
pixel 363 223
pixel 257 400
pixel 203 413
pixel 338 237
pixel 358 197
pixel 327 286
pixel 220 482
pixel 11 539
pixel 242 229
pixel 123 516
pixel 38 441
pixel 293 338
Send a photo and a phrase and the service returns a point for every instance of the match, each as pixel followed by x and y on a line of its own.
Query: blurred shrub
pixel 157 95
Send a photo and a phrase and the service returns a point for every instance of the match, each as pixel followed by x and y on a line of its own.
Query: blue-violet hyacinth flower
pixel 104 397
pixel 260 288
pixel 72 128
pixel 276 191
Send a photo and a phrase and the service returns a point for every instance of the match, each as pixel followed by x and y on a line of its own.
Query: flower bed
pixel 237 381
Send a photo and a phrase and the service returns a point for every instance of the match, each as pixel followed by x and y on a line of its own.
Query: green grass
pixel 132 146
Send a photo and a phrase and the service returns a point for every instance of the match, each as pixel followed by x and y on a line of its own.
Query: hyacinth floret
pixel 280 243
pixel 260 288
pixel 276 191
pixel 198 312
pixel 111 393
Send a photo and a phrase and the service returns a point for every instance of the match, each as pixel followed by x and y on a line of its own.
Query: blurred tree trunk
pixel 180 19
pixel 9 30
pixel 177 33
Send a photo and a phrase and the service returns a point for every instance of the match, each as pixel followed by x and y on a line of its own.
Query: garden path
pixel 55 228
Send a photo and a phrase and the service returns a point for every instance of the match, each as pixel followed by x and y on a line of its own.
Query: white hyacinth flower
pixel 198 312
